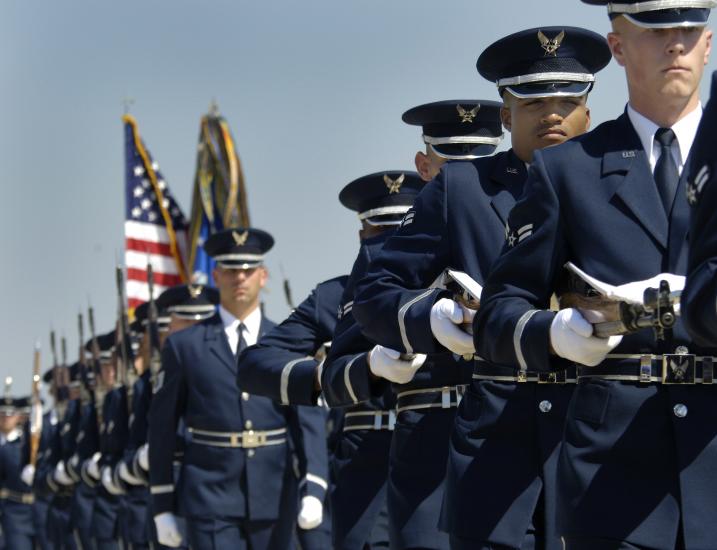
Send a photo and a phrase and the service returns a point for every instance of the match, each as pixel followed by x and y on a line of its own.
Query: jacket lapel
pixel 636 189
pixel 218 344
pixel 509 172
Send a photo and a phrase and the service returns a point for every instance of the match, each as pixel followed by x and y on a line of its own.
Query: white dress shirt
pixel 250 328
pixel 685 130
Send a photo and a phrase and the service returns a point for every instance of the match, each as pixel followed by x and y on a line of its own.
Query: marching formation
pixel 520 357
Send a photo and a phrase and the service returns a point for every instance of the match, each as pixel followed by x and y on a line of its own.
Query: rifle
pixel 125 356
pixel 98 396
pixel 84 386
pixel 155 362
pixel 287 289
pixel 36 414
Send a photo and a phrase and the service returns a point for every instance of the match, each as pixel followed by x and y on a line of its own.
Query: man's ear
pixel 423 165
pixel 614 40
pixel 264 275
pixel 587 119
pixel 506 117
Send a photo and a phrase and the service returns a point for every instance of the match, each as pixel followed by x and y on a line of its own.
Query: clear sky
pixel 313 92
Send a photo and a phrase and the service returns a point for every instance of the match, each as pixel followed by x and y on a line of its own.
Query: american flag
pixel 155 227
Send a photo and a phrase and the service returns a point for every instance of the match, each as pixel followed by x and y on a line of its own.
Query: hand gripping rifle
pixel 36 408
pixel 611 317
pixel 155 362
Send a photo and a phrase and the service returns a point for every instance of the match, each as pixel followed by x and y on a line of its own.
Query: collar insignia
pixel 195 291
pixel 551 45
pixel 394 186
pixel 467 116
pixel 240 238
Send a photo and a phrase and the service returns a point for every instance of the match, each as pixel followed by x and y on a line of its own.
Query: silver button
pixel 244 396
pixel 250 453
pixel 680 410
pixel 248 425
pixel 545 406
pixel 682 350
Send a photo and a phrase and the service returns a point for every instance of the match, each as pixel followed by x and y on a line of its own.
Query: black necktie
pixel 241 343
pixel 666 174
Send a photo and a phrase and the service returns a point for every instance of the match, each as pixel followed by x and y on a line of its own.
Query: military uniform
pixel 16 498
pixel 636 458
pixel 698 298
pixel 42 494
pixel 506 447
pixel 237 485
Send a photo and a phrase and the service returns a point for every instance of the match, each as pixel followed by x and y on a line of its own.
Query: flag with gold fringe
pixel 219 196
pixel 155 226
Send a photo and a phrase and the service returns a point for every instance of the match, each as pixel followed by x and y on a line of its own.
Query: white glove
pixel 93 468
pixel 387 363
pixel 28 474
pixel 127 477
pixel 169 531
pixel 311 513
pixel 143 457
pixel 60 475
pixel 446 318
pixel 571 338
pixel 108 483
pixel 633 292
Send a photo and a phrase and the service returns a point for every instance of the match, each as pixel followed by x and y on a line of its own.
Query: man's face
pixel 535 123
pixel 8 422
pixel 239 286
pixel 108 373
pixel 664 64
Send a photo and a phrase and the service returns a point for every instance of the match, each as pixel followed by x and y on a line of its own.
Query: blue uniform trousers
pixel 59 526
pixel 238 534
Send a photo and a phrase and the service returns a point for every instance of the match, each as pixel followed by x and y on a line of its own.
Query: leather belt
pixel 369 420
pixel 446 397
pixel 248 439
pixel 669 369
pixel 507 374
pixel 15 496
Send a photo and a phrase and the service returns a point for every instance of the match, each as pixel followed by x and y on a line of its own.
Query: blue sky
pixel 313 92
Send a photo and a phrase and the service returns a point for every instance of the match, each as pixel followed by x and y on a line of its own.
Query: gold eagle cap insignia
pixel 466 115
pixel 195 291
pixel 394 186
pixel 240 238
pixel 551 45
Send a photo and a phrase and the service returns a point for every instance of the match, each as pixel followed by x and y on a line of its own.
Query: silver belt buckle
pixel 645 369
pixel 445 397
pixel 707 370
pixel 522 375
pixel 678 368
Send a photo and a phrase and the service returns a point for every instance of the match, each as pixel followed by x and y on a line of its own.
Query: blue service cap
pixel 106 344
pixel 459 129
pixel 194 302
pixel 382 198
pixel 239 247
pixel 23 404
pixel 660 14
pixel 7 405
pixel 545 61
pixel 141 313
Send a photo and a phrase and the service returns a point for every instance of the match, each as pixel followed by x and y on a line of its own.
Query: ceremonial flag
pixel 155 227
pixel 219 196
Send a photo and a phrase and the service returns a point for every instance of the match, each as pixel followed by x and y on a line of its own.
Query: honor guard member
pixel 237 487
pixel 57 479
pixel 452 130
pixel 185 305
pixel 360 462
pixel 108 509
pixel 16 498
pixel 33 475
pixel 699 297
pixel 636 467
pixel 508 450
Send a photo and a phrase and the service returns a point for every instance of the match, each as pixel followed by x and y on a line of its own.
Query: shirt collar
pixel 252 323
pixel 685 130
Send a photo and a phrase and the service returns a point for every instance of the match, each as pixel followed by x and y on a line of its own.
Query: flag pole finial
pixel 127 102
pixel 214 107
